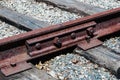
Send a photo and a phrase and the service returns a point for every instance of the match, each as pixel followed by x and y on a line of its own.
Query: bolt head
pixel 73 35
pixel 90 31
pixel 88 38
pixel 57 42
pixel 38 46
pixel 13 64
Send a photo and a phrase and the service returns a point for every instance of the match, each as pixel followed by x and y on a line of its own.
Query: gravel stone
pixel 107 4
pixel 7 30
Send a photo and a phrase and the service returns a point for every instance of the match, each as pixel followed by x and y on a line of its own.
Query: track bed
pixel 27 23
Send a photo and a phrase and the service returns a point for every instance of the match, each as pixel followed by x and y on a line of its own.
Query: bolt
pixel 57 42
pixel 88 38
pixel 90 31
pixel 73 35
pixel 38 46
pixel 13 64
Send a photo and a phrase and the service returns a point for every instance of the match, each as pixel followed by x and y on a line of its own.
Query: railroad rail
pixel 17 51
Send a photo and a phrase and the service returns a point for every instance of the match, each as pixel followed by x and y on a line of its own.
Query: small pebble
pixel 52 73
pixel 74 61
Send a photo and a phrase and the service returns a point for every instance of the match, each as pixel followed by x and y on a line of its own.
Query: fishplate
pixel 58 40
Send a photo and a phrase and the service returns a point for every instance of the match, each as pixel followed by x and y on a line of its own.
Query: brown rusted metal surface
pixel 83 32
pixel 58 39
pixel 85 45
pixel 15 68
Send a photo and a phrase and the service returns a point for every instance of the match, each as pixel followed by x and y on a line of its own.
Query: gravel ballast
pixel 64 67
pixel 107 4
pixel 113 43
pixel 75 67
pixel 7 30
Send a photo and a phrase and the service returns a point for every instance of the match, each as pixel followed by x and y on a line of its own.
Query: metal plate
pixel 87 45
pixel 9 70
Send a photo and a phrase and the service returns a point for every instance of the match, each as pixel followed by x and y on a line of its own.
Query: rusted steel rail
pixel 16 51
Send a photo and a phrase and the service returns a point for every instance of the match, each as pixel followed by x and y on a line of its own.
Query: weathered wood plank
pixel 104 57
pixel 74 6
pixel 20 20
pixel 2 77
